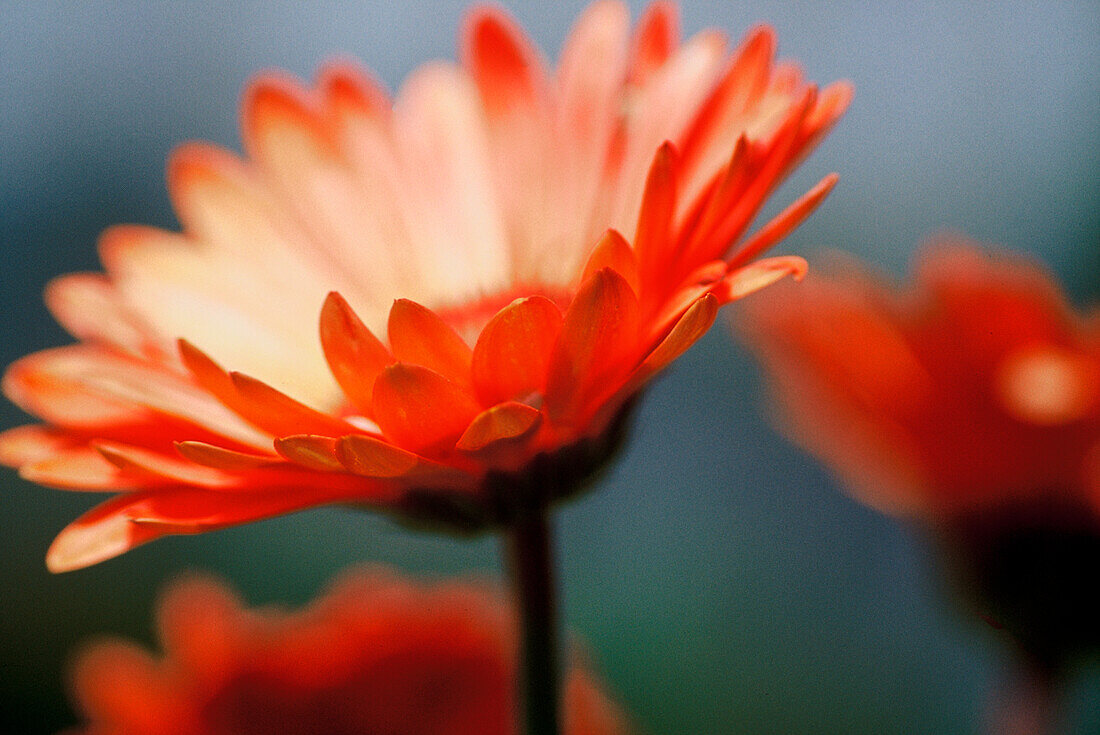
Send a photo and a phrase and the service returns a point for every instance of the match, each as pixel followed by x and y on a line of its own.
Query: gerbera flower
pixel 376 654
pixel 977 386
pixel 969 403
pixel 553 238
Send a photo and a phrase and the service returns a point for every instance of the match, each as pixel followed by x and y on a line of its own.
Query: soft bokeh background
pixel 719 578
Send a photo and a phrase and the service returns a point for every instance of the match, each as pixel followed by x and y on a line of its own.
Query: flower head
pixel 553 237
pixel 376 654
pixel 976 387
pixel 969 402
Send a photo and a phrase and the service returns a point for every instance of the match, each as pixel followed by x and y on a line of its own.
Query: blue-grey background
pixel 718 577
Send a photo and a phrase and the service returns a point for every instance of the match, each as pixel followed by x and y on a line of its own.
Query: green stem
pixel 531 566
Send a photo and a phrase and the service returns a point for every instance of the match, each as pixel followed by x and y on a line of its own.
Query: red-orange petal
pixel 418 336
pixel 126 521
pixel 310 451
pixel 355 356
pixel 599 333
pixel 280 414
pixel 614 252
pixel 740 86
pixel 655 219
pixel 757 275
pixel 419 409
pixel 80 468
pixel 656 38
pixel 501 60
pixel 211 455
pixel 692 325
pixel 784 223
pixel 157 466
pixel 502 422
pixel 24 444
pixel 371 457
pixel 513 350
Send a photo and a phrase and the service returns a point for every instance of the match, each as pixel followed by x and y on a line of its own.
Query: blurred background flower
pixel 797 608
pixel 966 401
pixel 375 654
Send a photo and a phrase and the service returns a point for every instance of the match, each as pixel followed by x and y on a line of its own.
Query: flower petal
pixel 692 325
pixel 508 71
pixel 757 275
pixel 614 252
pixel 500 423
pixel 653 239
pixel 512 353
pixel 655 39
pixel 370 457
pixel 211 455
pixel 354 354
pixel 599 333
pixel 30 443
pixel 126 521
pixel 310 451
pixel 280 414
pixel 129 458
pixel 81 468
pixel 90 308
pixel 419 409
pixel 784 223
pixel 419 337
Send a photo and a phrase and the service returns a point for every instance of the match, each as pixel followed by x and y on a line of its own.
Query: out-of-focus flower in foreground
pixel 969 402
pixel 377 655
pixel 553 238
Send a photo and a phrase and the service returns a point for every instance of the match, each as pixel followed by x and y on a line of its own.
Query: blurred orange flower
pixel 970 402
pixel 549 248
pixel 376 654
pixel 977 386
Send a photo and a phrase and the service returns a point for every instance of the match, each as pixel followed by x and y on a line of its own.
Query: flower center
pixel 1047 385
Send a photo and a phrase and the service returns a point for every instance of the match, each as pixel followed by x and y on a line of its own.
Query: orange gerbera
pixel 977 387
pixel 971 403
pixel 377 654
pixel 549 249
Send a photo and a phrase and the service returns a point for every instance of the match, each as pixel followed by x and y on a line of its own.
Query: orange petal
pixel 280 414
pixel 513 350
pixel 349 91
pixel 501 59
pixel 310 451
pixel 370 457
pixel 354 354
pixel 652 241
pixel 499 423
pixel 51 384
pixel 126 521
pixel 692 325
pixel 599 333
pixel 419 337
pixel 656 38
pixel 757 275
pixel 614 252
pixel 81 468
pixel 32 443
pixel 784 223
pixel 274 114
pixel 420 409
pixel 90 308
pixel 738 89
pixel 159 466
pixel 211 455
pixel 209 374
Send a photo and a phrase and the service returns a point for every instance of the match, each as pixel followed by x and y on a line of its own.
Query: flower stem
pixel 531 566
